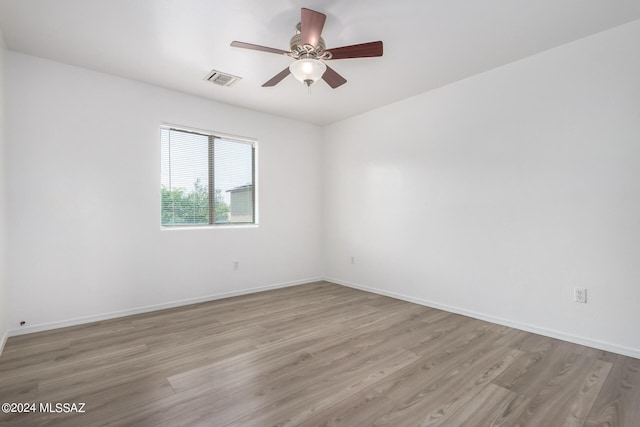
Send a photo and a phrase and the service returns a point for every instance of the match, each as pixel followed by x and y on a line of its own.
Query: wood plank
pixel 432 369
pixel 294 409
pixel 568 397
pixel 529 375
pixel 434 401
pixel 314 354
pixel 492 406
pixel 618 403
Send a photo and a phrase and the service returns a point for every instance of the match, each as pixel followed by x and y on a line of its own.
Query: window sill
pixel 209 227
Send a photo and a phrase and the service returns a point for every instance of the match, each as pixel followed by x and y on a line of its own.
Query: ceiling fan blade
pixel 277 78
pixel 332 78
pixel 311 26
pixel 364 50
pixel 244 45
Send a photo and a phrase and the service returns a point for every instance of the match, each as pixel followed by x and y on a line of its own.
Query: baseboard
pixel 614 348
pixel 626 351
pixel 145 309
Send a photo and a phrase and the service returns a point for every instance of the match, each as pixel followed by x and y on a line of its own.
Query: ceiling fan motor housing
pixel 299 50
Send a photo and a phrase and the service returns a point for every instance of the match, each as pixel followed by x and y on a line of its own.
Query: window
pixel 206 179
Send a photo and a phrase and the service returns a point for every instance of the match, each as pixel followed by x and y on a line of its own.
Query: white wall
pixel 496 195
pixel 83 199
pixel 4 305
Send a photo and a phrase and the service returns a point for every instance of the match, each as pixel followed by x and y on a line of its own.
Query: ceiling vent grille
pixel 221 79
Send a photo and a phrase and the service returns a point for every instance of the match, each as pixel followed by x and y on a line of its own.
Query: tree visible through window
pixel 206 179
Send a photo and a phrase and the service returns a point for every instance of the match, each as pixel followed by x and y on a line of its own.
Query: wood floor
pixel 317 354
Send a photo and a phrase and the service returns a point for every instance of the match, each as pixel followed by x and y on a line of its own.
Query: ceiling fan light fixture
pixel 308 70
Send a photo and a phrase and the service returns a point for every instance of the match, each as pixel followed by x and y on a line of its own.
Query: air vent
pixel 221 79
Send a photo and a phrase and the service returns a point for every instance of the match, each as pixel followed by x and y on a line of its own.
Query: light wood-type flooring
pixel 311 355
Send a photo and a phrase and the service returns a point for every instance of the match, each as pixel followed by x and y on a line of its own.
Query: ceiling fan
pixel 308 50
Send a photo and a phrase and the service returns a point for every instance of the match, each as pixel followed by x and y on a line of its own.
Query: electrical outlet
pixel 236 265
pixel 580 295
pixel 353 260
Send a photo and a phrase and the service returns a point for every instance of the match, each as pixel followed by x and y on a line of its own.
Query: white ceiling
pixel 175 43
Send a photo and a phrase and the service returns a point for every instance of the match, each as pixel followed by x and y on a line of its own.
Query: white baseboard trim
pixel 626 351
pixel 145 309
pixel 3 341
pixel 614 348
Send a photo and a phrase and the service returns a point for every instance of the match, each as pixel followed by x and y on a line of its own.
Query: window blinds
pixel 205 179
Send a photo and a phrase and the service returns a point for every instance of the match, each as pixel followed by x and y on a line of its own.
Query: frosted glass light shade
pixel 308 70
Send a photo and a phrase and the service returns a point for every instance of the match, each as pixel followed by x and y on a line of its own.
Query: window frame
pixel 212 135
